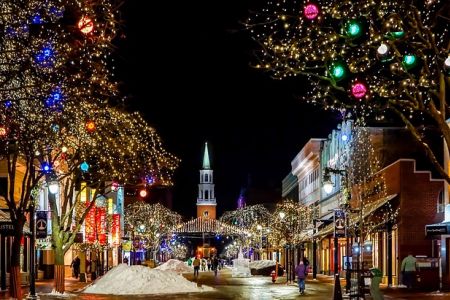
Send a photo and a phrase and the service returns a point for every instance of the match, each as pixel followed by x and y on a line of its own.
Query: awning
pixel 7 227
pixel 437 229
pixel 368 209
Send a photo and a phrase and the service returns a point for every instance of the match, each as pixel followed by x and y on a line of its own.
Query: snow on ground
pixel 261 264
pixel 141 280
pixel 175 265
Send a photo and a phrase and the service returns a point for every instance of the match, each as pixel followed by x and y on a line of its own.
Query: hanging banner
pixel 115 230
pixel 89 229
pixel 41 224
pixel 339 223
pixel 100 220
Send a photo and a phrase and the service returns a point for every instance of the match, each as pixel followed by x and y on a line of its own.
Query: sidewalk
pixel 72 285
pixel 388 292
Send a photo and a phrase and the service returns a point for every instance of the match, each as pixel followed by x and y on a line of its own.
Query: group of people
pixel 91 267
pixel 213 264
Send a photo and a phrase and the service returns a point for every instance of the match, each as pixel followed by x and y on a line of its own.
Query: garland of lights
pixel 372 57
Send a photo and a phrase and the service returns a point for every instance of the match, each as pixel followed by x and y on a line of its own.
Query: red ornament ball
pixel 359 90
pixel 311 11
pixel 86 25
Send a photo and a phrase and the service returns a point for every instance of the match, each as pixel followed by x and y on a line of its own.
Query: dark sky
pixel 185 66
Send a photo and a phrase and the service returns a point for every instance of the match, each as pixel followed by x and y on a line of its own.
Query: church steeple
pixel 206 200
pixel 206 164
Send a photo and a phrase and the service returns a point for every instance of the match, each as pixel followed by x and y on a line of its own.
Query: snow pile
pixel 261 264
pixel 175 265
pixel 58 294
pixel 140 280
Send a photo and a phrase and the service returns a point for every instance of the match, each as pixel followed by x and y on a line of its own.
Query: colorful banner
pixel 115 230
pixel 100 220
pixel 90 232
pixel 339 223
pixel 41 224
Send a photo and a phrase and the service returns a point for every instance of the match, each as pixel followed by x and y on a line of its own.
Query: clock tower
pixel 206 200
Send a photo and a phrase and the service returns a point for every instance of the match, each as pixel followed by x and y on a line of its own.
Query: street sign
pixel 339 223
pixel 41 224
pixel 437 229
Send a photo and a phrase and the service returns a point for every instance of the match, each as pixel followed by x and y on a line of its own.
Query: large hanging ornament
pixel 86 25
pixel 409 61
pixel 3 131
pixel 143 193
pixel 338 70
pixel 90 126
pixel 84 166
pixel 359 90
pixel 45 56
pixel 46 167
pixel 447 65
pixel 353 29
pixel 311 11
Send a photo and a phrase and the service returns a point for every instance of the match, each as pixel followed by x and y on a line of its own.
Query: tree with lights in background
pixel 289 224
pixel 115 149
pixel 55 122
pixel 366 183
pixel 252 219
pixel 370 57
pixel 151 223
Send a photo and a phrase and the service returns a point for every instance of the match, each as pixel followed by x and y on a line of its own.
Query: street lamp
pixel 53 187
pixel 328 187
pixel 259 227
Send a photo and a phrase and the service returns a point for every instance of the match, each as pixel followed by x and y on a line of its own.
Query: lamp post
pixel 32 294
pixel 328 188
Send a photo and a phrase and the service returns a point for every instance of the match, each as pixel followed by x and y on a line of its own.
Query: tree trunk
pixel 15 290
pixel 59 272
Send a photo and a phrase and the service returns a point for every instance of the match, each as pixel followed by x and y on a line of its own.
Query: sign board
pixel 339 223
pixel 41 224
pixel 437 229
pixel 6 228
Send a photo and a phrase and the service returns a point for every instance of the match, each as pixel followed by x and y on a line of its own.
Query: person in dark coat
pixel 75 265
pixel 301 272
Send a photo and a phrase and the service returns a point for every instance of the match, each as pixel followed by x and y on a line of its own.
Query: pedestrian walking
pixel 75 265
pixel 301 272
pixel 196 264
pixel 409 270
pixel 215 265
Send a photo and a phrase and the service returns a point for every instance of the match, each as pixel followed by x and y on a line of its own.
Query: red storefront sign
pixel 89 223
pixel 101 225
pixel 115 229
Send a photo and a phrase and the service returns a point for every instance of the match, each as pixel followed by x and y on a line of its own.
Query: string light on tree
pixel 363 36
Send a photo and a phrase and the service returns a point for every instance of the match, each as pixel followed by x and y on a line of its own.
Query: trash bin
pixel 375 284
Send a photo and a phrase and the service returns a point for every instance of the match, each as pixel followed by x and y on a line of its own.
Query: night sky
pixel 186 66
